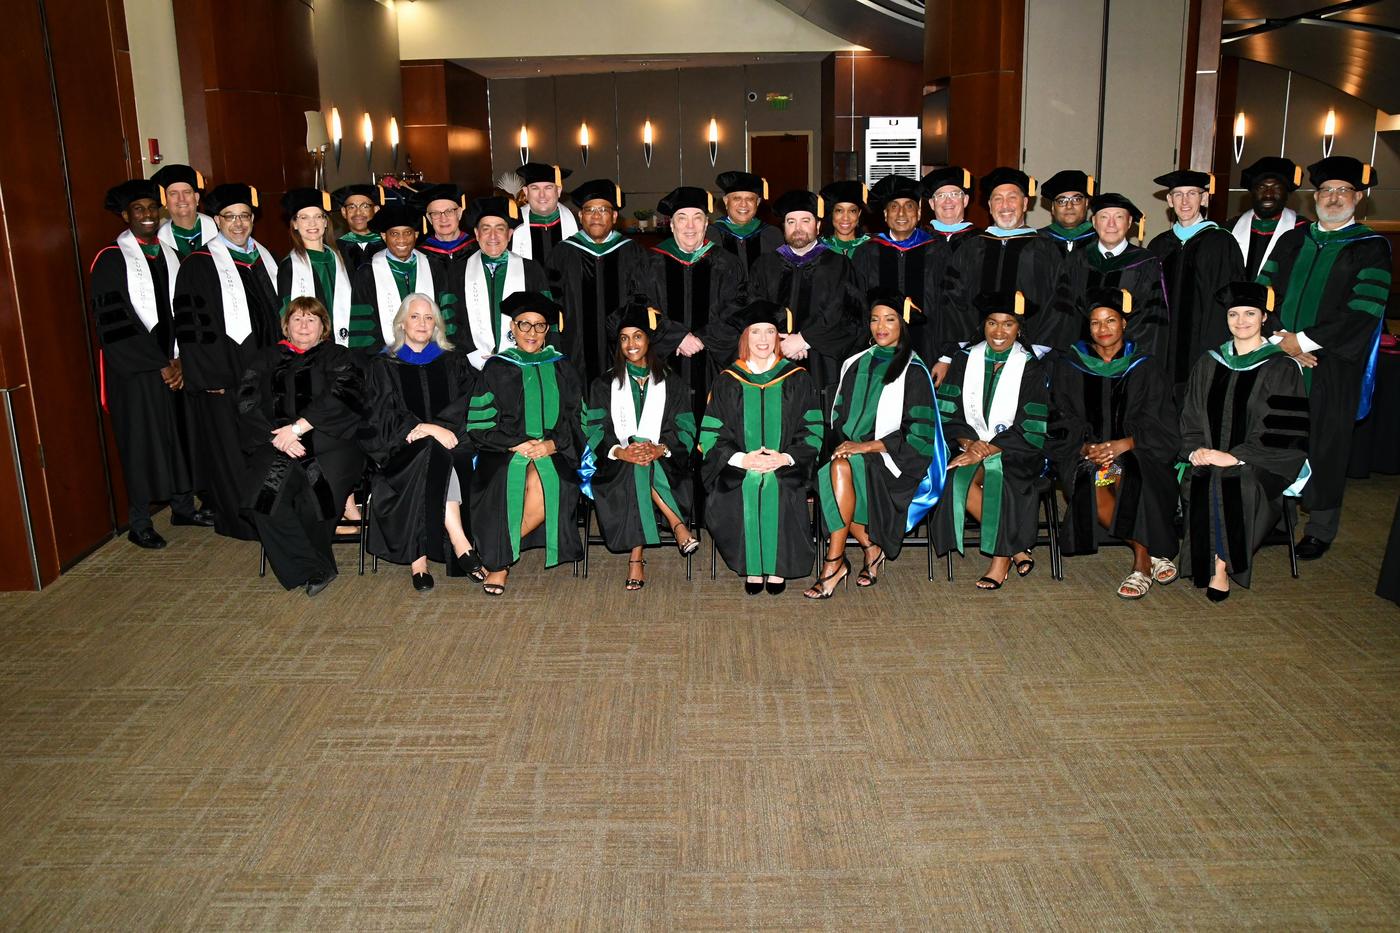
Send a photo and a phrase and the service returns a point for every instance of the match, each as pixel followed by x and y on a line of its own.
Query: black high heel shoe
pixel 775 589
pixel 752 588
pixel 1217 596
pixel 817 591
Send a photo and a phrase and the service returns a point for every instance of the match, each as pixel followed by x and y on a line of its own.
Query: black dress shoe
pixel 752 588
pixel 319 582
pixel 422 582
pixel 146 538
pixel 1311 548
pixel 775 589
pixel 203 518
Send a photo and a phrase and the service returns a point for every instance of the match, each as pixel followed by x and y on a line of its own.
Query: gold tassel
pixel 326 201
pixel 1268 298
pixel 253 195
pixel 1127 301
pixel 1297 176
pixel 821 207
pixel 789 319
pixel 512 209
pixel 1090 186
pixel 1019 309
pixel 1031 193
pixel 653 317
pixel 1210 189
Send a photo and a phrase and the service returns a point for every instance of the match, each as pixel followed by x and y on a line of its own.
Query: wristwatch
pixel 297 429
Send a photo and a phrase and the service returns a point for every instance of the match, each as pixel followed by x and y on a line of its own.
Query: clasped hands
pixel 287 441
pixel 974 452
pixel 535 450
pixel 1205 456
pixel 174 376
pixel 641 453
pixel 764 460
pixel 1103 454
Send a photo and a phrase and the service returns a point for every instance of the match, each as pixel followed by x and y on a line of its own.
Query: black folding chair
pixel 1049 526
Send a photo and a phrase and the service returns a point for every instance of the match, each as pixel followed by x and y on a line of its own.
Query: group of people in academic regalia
pixel 474 368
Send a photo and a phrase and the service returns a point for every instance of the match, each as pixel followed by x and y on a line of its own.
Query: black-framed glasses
pixel 1068 200
pixel 532 327
pixel 237 218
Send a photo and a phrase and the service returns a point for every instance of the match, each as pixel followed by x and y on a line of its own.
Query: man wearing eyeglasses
pixel 447 245
pixel 546 223
pixel 490 275
pixel 358 204
pixel 1069 192
pixel 1198 260
pixel 1332 278
pixel 187 228
pixel 906 258
pixel 225 309
pixel 595 270
pixel 949 191
pixel 1007 257
pixel 1270 180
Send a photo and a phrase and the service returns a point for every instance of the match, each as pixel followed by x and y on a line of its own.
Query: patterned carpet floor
pixel 185 746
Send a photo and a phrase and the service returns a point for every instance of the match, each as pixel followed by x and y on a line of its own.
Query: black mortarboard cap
pixel 1119 299
pixel 799 200
pixel 1068 180
pixel 730 182
pixel 1004 175
pixel 599 189
pixel 446 191
pixel 504 208
pixel 948 175
pixel 299 198
pixel 538 302
pixel 897 301
pixel 684 197
pixel 532 173
pixel 1360 175
pixel 1285 170
pixel 374 192
pixel 174 174
pixel 396 214
pixel 846 192
pixel 763 311
pixel 989 303
pixel 893 187
pixel 221 196
pixel 1185 178
pixel 638 313
pixel 120 197
pixel 1244 294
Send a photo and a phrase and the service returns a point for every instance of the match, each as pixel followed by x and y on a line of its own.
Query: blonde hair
pixel 439 334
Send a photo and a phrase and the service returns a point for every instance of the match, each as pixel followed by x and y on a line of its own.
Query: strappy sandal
pixel 634 584
pixel 1025 565
pixel 495 589
pixel 1161 565
pixel 870 574
pixel 817 591
pixel 1135 586
pixel 690 546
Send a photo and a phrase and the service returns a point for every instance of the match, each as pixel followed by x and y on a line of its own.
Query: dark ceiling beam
pixel 1387 31
pixel 1321 13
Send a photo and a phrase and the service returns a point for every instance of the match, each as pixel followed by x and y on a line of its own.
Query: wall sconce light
pixel 583 141
pixel 524 144
pixel 394 140
pixel 337 133
pixel 646 143
pixel 1329 132
pixel 1239 136
pixel 368 128
pixel 714 141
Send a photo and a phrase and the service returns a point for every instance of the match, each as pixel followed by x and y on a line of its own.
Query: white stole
pixel 522 244
pixel 238 323
pixel 476 297
pixel 304 286
pixel 1008 391
pixel 386 290
pixel 1286 220
pixel 207 232
pixel 140 286
pixel 889 411
pixel 624 414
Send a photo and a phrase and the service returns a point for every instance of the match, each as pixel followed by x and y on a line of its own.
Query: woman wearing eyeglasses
pixel 524 421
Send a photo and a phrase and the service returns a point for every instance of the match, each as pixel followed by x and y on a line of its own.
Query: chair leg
pixel 1292 545
pixel 949 558
pixel 712 557
pixel 364 533
pixel 262 561
pixel 1052 531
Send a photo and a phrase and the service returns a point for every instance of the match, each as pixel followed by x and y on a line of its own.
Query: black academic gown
pixel 296 502
pixel 916 273
pixel 448 266
pixel 366 329
pixel 622 491
pixel 591 287
pixel 747 250
pixel 213 366
pixel 1009 523
pixel 1260 416
pixel 537 279
pixel 506 411
pixel 145 417
pixel 698 297
pixel 986 263
pixel 1093 404
pixel 759 521
pixel 1334 288
pixel 1259 241
pixel 1194 271
pixel 1139 271
pixel 355 254
pixel 883 497
pixel 1068 245
pixel 410 483
pixel 821 294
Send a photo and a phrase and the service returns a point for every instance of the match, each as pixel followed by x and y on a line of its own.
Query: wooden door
pixel 782 158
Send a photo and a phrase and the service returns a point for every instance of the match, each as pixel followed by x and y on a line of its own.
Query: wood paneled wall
pixel 53 176
pixel 447 123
